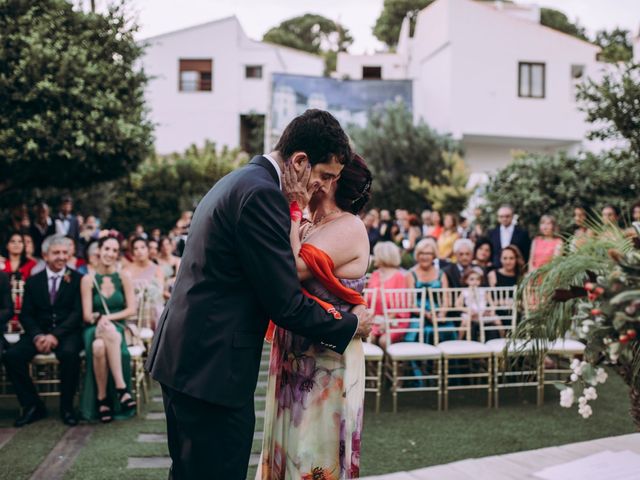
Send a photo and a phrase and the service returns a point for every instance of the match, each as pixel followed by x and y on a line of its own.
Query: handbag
pixel 131 333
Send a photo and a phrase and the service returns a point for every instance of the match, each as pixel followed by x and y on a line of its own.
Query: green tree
pixel 557 20
pixel 387 27
pixel 71 97
pixel 396 150
pixel 164 186
pixel 612 106
pixel 616 45
pixel 314 34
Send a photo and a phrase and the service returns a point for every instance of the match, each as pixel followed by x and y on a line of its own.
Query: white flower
pixel 566 397
pixel 601 375
pixel 590 393
pixel 613 357
pixel 582 401
pixel 585 411
pixel 574 377
pixel 575 363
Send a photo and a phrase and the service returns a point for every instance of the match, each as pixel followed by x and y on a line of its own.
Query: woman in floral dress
pixel 315 396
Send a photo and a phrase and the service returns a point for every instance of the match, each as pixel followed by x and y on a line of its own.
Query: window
pixel 531 80
pixel 253 71
pixel 577 72
pixel 195 75
pixel 371 73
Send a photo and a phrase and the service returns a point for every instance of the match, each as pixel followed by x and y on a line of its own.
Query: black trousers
pixel 16 360
pixel 207 441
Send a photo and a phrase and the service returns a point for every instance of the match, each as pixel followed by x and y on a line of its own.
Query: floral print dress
pixel 314 402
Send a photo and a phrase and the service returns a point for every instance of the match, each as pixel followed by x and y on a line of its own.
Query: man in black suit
pixel 238 272
pixel 41 227
pixel 66 222
pixel 463 251
pixel 507 233
pixel 51 316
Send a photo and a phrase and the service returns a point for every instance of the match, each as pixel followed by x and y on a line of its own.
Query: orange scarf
pixel 321 267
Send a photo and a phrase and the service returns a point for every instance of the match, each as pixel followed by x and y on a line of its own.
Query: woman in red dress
pixel 19 268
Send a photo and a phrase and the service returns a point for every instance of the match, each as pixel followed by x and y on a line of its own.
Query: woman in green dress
pixel 107 300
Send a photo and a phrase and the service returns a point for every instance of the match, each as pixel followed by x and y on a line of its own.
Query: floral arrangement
pixel 592 291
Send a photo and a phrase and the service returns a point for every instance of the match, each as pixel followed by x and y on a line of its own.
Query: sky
pixel 359 16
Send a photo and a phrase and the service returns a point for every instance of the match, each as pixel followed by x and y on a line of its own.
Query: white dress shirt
pixel 506 234
pixel 276 166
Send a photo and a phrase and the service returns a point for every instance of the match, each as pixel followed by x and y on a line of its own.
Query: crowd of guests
pixel 67 286
pixel 447 251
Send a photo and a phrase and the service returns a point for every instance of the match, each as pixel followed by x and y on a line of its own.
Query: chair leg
pixel 490 367
pixel 439 382
pixel 379 386
pixel 395 386
pixel 540 383
pixel 496 382
pixel 445 384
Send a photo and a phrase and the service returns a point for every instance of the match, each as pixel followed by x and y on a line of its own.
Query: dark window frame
pixel 371 68
pixel 203 85
pixel 530 66
pixel 246 71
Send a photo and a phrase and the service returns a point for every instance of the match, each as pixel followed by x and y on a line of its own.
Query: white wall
pixel 350 66
pixel 183 118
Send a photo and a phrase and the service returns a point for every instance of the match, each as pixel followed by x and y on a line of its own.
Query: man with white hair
pixel 463 251
pixel 51 316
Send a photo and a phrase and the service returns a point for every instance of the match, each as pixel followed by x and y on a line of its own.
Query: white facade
pixel 464 61
pixel 183 118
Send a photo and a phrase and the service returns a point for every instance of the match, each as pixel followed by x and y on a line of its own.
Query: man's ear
pixel 299 160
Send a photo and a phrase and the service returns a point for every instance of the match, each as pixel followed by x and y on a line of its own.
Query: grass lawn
pixel 417 436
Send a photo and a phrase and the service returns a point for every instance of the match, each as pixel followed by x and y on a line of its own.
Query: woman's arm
pixel 296 244
pixel 130 300
pixel 491 278
pixel 86 293
pixel 532 250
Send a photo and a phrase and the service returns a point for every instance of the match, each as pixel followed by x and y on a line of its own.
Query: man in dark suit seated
pixel 463 251
pixel 51 316
pixel 508 233
pixel 6 308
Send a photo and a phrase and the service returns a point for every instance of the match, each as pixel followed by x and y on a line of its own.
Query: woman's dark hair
pixel 105 239
pixel 134 240
pixel 354 186
pixel 615 209
pixel 479 243
pixel 318 134
pixel 23 255
pixel 413 220
pixel 520 263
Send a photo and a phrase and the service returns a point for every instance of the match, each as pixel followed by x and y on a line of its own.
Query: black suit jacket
pixel 61 319
pixel 454 277
pixel 6 304
pixel 237 271
pixel 520 239
pixel 74 226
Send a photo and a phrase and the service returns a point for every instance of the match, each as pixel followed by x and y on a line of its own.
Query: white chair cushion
pixel 146 333
pixel 463 347
pixel 372 352
pixel 566 345
pixel 45 358
pixel 12 337
pixel 136 351
pixel 412 351
pixel 515 346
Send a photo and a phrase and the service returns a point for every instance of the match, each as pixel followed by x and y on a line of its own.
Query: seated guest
pixel 29 251
pixel 107 300
pixel 386 258
pixel 169 263
pixel 92 256
pixel 546 245
pixel 148 282
pixel 479 304
pixel 448 237
pixel 6 308
pixel 436 225
pixel 482 254
pixel 76 263
pixel 611 215
pixel 52 320
pixel 508 233
pixel 19 269
pixel 153 251
pixel 41 228
pixel 511 269
pixel 463 251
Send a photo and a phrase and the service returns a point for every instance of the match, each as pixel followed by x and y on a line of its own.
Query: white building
pixel 211 79
pixel 491 75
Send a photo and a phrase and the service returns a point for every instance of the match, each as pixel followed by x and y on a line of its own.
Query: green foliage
pixel 452 195
pixel 314 34
pixel 613 106
pixel 396 150
pixel 616 45
pixel 71 97
pixel 387 27
pixel 539 184
pixel 164 186
pixel 557 20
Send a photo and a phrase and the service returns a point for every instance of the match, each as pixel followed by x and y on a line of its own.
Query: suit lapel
pixel 263 162
pixel 63 286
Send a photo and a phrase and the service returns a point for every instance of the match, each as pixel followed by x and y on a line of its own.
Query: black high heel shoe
pixel 129 403
pixel 104 411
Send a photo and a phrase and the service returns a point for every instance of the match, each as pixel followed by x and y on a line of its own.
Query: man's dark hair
pixel 318 134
